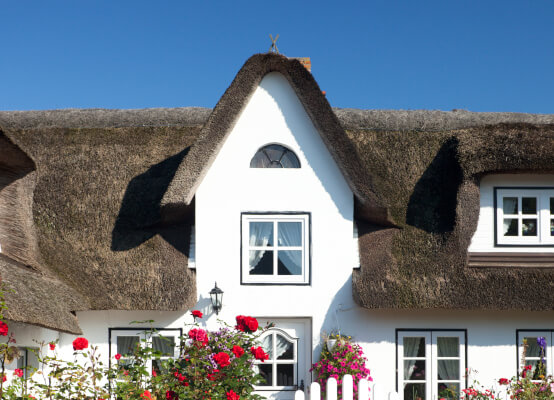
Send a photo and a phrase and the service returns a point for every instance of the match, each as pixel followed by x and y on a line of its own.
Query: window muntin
pixel 275 248
pixel 280 370
pixel 524 216
pixel 274 156
pixel 125 342
pixel 431 364
pixel 534 356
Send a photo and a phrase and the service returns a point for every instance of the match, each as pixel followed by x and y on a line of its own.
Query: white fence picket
pixel 331 389
pixel 347 391
pixel 363 389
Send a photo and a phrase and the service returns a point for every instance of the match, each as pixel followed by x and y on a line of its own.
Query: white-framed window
pixel 535 354
pixel 275 248
pixel 280 371
pixel 27 361
pixel 431 364
pixel 524 216
pixel 125 341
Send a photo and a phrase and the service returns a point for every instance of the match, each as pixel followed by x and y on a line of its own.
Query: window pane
pixel 165 345
pixel 510 227
pixel 266 370
pixel 537 369
pixel 285 374
pixel 448 346
pixel 529 227
pixel 414 391
pixel 414 347
pixel 290 233
pixel 448 370
pixel 533 348
pixel 261 233
pixel 449 390
pixel 285 349
pixel 127 344
pixel 290 262
pixel 267 345
pixel 509 205
pixel 260 160
pixel 290 160
pixel 414 370
pixel 261 262
pixel 529 205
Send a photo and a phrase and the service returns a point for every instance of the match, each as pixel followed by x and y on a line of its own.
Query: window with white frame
pixel 275 248
pixel 125 341
pixel 280 370
pixel 535 349
pixel 27 361
pixel 524 216
pixel 431 364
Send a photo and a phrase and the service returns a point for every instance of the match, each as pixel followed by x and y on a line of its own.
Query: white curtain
pixel 260 233
pixel 282 345
pixel 411 348
pixel 126 345
pixel 290 234
pixel 448 369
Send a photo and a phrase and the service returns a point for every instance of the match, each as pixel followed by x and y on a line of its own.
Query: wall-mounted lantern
pixel 216 294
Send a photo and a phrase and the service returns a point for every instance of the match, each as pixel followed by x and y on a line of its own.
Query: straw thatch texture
pixel 99 179
pixel 430 181
pixel 38 299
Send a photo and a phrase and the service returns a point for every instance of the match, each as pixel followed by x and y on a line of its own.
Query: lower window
pixel 431 364
pixel 27 361
pixel 125 342
pixel 279 371
pixel 535 349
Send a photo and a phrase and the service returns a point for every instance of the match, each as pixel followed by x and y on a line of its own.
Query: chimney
pixel 305 61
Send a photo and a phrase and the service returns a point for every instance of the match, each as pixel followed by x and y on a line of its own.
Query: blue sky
pixel 484 55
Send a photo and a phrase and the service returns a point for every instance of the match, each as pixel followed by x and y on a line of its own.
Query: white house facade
pixel 294 227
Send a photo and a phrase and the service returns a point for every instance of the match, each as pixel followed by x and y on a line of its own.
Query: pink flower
pixel 18 372
pixel 117 356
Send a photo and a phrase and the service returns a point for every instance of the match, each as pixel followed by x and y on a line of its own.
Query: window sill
pixel 511 260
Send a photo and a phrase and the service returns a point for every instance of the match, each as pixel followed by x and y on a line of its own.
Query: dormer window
pixel 524 216
pixel 274 156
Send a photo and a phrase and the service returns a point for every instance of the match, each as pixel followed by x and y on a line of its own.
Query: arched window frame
pixel 274 162
pixel 274 362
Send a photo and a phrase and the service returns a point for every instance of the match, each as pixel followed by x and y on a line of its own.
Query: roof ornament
pixel 273 48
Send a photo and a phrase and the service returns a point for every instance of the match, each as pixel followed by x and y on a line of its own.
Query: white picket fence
pixel 364 392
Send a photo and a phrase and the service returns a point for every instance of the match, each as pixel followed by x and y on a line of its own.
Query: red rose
pixel 4 378
pixel 18 372
pixel 503 381
pixel 197 314
pixel 231 395
pixel 246 324
pixel 3 329
pixel 238 351
pixel 259 353
pixel 117 356
pixel 146 395
pixel 171 395
pixel 252 324
pixel 222 359
pixel 52 346
pixel 80 343
pixel 200 335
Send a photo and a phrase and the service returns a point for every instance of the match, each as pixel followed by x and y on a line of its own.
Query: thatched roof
pixel 80 195
pixel 225 114
pixel 96 205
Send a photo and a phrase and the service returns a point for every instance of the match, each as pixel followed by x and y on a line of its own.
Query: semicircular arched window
pixel 274 156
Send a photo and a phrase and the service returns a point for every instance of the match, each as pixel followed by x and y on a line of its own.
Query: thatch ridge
pixel 222 119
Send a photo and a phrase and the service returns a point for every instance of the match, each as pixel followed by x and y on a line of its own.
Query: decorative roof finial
pixel 273 47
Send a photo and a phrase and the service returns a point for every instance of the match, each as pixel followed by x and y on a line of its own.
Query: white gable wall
pixel 273 115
